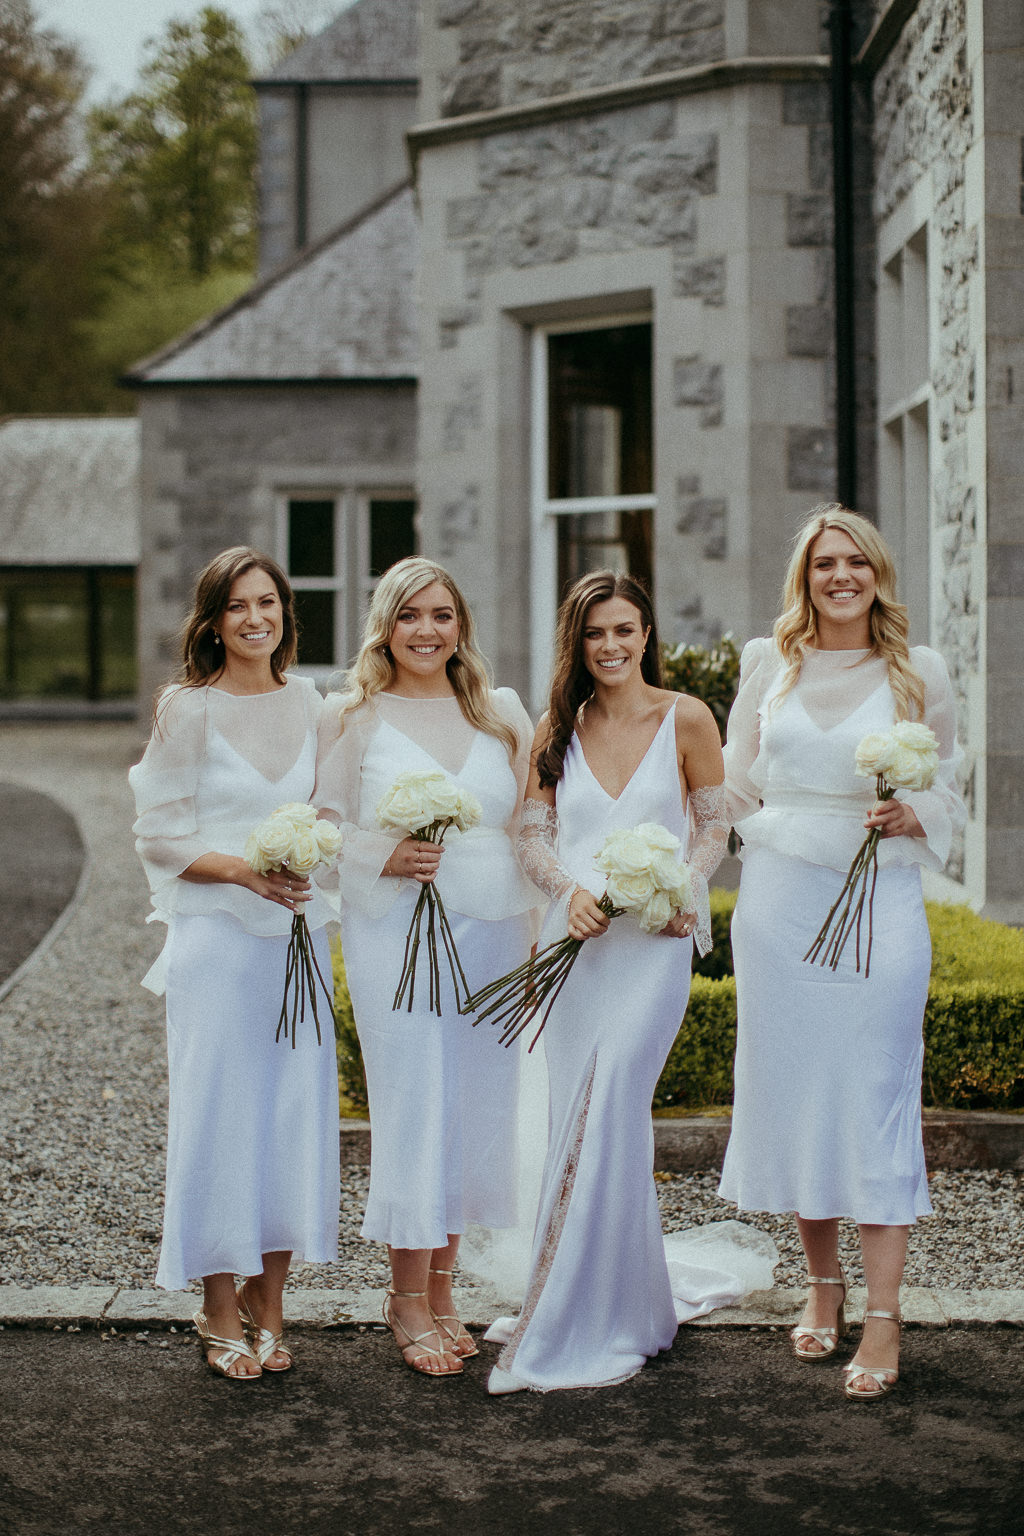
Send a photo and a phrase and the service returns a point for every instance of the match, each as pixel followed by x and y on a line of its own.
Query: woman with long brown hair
pixel 442 1095
pixel 614 750
pixel 827 1112
pixel 252 1148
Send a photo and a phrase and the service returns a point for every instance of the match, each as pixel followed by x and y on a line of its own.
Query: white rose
pixel 468 812
pixel 273 839
pixel 305 855
pixel 910 769
pixel 328 840
pixel 656 912
pixel 298 813
pixel 682 896
pixel 632 891
pixel 911 733
pixel 657 836
pixel 409 803
pixel 873 755
pixel 252 855
pixel 666 869
pixel 623 853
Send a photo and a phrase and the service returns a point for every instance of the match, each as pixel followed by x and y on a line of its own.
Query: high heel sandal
pixel 461 1331
pixel 828 1338
pixel 264 1342
pixel 411 1342
pixel 878 1374
pixel 233 1350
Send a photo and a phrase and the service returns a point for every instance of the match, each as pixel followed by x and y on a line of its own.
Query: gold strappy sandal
pixel 264 1342
pixel 828 1338
pixel 233 1350
pixel 885 1377
pixel 461 1331
pixel 396 1325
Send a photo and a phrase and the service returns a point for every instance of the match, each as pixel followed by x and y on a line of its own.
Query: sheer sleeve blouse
pixel 789 760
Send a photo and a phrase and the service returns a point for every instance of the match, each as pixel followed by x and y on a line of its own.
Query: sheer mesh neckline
pixel 444 735
pixel 838 683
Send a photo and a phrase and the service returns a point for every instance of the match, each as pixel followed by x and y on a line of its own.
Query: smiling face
pixel 841 586
pixel 613 641
pixel 252 623
pixel 423 641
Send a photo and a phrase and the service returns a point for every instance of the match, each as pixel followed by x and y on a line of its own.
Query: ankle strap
pixel 393 1292
pixel 827 1280
pixel 894 1317
pixel 442 1271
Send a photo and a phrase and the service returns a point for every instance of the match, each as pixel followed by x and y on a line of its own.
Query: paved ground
pixel 725 1436
pixel 43 856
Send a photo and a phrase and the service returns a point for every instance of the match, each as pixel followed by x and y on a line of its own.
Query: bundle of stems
pixel 514 1000
pixel 430 900
pixel 302 971
pixel 849 904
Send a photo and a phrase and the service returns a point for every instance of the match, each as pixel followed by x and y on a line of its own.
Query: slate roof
pixel 69 490
pixel 372 40
pixel 342 309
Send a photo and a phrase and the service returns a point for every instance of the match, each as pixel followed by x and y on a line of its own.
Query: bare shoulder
pixel 692 715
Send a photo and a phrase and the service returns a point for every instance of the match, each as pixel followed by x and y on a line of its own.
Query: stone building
pixel 682 269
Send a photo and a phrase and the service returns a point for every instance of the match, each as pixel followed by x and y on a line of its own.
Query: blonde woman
pixel 442 1095
pixel 252 1142
pixel 826 1119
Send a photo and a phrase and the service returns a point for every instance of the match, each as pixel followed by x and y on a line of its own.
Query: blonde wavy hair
pixel 373 670
pixel 796 628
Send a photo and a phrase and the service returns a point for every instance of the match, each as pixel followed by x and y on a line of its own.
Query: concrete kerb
pixel 130 1310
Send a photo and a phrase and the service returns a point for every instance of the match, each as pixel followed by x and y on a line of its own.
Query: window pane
pixel 117 633
pixel 46 634
pixel 599 405
pixel 315 614
pixel 595 541
pixel 311 538
pixel 392 533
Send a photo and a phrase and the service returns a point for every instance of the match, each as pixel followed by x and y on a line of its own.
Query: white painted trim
pixel 571 505
pixel 543 539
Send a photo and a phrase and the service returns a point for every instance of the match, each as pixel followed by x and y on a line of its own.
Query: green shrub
pixel 713 676
pixel 973 1022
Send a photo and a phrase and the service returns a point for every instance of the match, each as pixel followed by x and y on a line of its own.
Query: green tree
pixel 51 216
pixel 181 152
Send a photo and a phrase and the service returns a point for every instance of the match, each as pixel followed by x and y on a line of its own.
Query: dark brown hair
pixel 201 656
pixel 572 684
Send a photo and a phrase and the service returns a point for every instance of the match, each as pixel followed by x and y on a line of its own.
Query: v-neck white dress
pixel 599 1299
pixel 442 1093
pixel 252 1140
pixel 827 1107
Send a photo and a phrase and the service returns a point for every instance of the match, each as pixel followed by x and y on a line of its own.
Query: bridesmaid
pixel 827 1112
pixel 615 749
pixel 252 1146
pixel 442 1095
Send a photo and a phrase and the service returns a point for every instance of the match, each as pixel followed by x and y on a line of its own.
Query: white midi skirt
pixel 827 1108
pixel 252 1140
pixel 442 1093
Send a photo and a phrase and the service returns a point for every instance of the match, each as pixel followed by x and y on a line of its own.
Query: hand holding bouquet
pixel 646 880
pixel 424 804
pixel 293 838
pixel 906 757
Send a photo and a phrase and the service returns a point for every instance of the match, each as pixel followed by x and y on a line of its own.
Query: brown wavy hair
pixel 201 657
pixel 796 628
pixel 572 685
pixel 373 670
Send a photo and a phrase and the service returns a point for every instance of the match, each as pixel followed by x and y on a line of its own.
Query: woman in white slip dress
pixel 252 1145
pixel 442 1094
pixel 614 750
pixel 827 1112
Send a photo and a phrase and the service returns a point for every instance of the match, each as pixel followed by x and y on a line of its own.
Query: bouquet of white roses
pixel 646 879
pixel 293 838
pixel 425 803
pixel 906 757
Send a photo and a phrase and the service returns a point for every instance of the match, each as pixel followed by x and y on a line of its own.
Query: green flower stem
pixel 302 971
pixel 831 940
pixel 430 900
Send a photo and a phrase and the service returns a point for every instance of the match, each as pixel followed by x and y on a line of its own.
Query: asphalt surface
pixel 724 1436
pixel 43 857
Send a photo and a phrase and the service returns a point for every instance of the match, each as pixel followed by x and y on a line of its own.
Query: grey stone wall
pixel 211 461
pixel 502 55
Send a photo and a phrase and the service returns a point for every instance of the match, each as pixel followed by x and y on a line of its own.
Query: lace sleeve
pixel 709 838
pixel 536 845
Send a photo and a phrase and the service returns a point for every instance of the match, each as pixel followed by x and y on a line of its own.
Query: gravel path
pixel 83 1091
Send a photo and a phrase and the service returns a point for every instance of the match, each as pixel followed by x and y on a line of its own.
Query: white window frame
pixel 545 509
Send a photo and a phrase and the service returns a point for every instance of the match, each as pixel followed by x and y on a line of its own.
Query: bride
pixel 615 749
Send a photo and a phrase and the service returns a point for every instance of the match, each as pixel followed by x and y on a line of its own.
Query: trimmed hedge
pixel 973 1023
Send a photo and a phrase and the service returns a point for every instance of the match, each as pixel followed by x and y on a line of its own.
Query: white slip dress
pixel 442 1094
pixel 600 1299
pixel 252 1136
pixel 827 1107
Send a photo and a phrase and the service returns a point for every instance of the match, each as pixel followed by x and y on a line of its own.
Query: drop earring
pixel 216 638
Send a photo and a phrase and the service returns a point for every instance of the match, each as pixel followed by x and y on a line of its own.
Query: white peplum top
pixel 789 762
